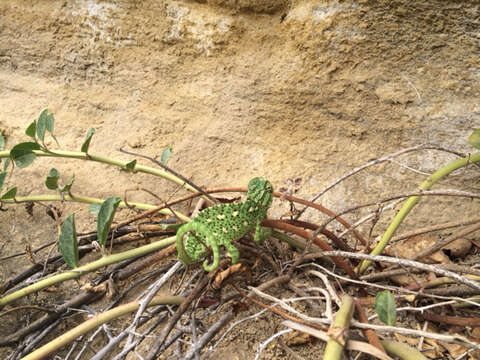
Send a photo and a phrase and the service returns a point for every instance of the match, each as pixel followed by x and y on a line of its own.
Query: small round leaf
pixel 66 188
pixel 130 167
pixel 49 123
pixel 67 242
pixel 105 218
pixel 474 138
pixel 31 129
pixel 166 154
pixel 385 307
pixel 10 194
pixel 22 154
pixel 6 162
pixel 42 124
pixel 86 143
pixel 3 175
pixel 52 179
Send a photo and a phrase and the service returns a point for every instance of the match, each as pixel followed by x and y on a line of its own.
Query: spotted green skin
pixel 223 224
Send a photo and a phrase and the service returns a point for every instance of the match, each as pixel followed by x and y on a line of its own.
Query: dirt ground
pixel 280 89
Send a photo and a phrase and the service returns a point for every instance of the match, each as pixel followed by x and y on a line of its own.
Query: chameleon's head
pixel 260 191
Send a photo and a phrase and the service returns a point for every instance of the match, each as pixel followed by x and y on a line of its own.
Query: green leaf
pixel 10 194
pixel 22 154
pixel 2 141
pixel 50 125
pixel 166 154
pixel 385 307
pixel 474 138
pixel 105 218
pixel 130 166
pixel 86 143
pixel 42 124
pixel 28 145
pixel 6 163
pixel 94 208
pixel 49 122
pixel 52 179
pixel 3 175
pixel 67 242
pixel 31 129
pixel 68 186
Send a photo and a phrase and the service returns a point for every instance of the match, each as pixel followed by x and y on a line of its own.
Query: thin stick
pixel 144 302
pixel 440 244
pixel 275 310
pixel 108 348
pixel 80 299
pixel 268 341
pixel 278 224
pixel 435 269
pixel 33 307
pixel 94 265
pixel 205 338
pixel 375 162
pixel 157 345
pixel 410 203
pixel 433 228
pixel 413 195
pixel 178 175
pixel 278 195
pixel 351 344
pixel 369 333
pixel 94 322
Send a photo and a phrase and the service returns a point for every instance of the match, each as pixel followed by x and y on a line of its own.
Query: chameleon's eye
pixel 255 183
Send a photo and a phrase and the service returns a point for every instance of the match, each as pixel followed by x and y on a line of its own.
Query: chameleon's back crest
pixel 260 191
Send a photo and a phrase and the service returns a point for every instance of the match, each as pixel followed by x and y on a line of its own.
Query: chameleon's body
pixel 223 224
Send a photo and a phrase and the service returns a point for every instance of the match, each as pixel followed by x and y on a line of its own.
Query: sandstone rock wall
pixel 283 89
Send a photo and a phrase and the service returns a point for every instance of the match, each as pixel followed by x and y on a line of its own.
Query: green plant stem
pixel 403 351
pixel 288 239
pixel 84 156
pixel 73 274
pixel 90 200
pixel 413 200
pixel 338 332
pixel 469 303
pixel 95 322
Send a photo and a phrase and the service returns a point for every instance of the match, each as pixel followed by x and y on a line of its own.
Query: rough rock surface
pixel 282 89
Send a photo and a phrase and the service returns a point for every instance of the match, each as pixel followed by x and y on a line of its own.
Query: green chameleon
pixel 225 223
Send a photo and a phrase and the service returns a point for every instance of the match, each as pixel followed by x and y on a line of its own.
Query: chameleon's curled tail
pixel 190 249
pixel 183 255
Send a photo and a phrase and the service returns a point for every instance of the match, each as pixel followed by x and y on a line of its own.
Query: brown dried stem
pixel 279 224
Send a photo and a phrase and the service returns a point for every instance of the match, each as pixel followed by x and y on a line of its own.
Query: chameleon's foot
pixel 261 234
pixel 232 252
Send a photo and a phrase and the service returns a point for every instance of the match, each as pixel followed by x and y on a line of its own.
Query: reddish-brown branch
pixel 451 320
pixel 369 333
pixel 139 265
pixel 340 244
pixel 241 189
pixel 281 225
pixel 279 312
pixel 325 211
